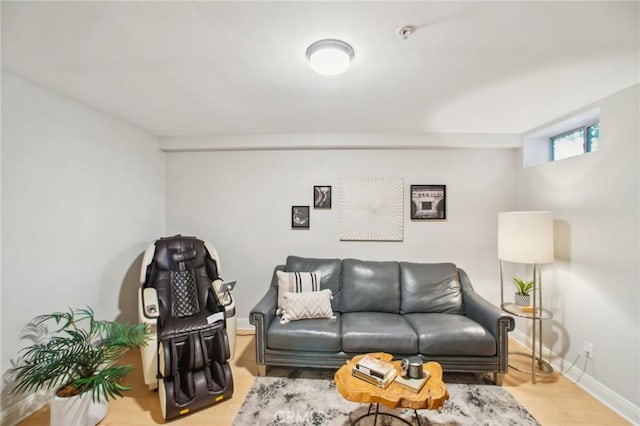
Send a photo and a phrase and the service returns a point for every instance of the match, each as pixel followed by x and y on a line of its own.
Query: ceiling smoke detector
pixel 406 31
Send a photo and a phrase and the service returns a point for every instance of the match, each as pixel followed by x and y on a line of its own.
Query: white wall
pixel 82 195
pixel 241 201
pixel 592 287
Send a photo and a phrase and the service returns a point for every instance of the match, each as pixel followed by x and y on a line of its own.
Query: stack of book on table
pixel 374 371
pixel 414 385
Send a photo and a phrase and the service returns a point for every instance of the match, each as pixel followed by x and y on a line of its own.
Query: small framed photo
pixel 299 216
pixel 428 202
pixel 322 197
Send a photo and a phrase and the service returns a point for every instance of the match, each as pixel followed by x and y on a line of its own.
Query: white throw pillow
pixel 296 282
pixel 306 305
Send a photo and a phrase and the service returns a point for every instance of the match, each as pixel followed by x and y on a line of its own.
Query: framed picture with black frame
pixel 428 202
pixel 322 197
pixel 300 216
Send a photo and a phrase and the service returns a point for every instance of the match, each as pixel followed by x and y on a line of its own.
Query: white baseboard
pixel 616 402
pixel 243 326
pixel 16 408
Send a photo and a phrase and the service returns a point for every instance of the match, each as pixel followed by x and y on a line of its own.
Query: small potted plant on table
pixel 523 297
pixel 79 362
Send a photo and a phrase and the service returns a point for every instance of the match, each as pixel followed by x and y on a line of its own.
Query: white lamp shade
pixel 525 237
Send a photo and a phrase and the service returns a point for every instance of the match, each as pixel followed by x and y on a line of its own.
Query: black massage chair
pixel 182 300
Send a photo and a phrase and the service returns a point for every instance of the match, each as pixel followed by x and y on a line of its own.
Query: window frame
pixel 586 141
pixel 589 140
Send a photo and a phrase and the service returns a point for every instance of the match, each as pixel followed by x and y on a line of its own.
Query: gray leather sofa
pixel 402 308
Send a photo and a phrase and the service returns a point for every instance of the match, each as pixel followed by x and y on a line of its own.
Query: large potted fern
pixel 79 362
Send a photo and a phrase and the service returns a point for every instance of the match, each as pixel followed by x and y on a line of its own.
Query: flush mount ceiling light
pixel 330 56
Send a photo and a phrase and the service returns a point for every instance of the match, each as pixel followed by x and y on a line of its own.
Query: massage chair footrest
pixel 203 396
pixel 194 373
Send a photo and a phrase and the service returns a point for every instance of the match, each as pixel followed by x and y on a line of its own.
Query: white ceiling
pixel 205 68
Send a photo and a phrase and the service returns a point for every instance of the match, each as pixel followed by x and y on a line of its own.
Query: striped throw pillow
pixel 296 282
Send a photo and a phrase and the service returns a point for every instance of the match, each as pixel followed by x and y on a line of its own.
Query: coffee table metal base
pixel 377 413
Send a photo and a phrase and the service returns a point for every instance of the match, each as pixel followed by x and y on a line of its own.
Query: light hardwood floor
pixel 552 401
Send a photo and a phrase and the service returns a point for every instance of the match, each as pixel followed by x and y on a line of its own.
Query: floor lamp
pixel 527 237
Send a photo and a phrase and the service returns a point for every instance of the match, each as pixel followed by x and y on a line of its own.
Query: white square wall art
pixel 372 209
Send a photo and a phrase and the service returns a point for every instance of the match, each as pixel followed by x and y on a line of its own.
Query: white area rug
pixel 310 398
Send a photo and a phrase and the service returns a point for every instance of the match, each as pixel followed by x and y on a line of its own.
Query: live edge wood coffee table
pixel 432 396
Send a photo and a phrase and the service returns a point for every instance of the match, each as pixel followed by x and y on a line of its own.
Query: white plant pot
pixel 523 300
pixel 77 410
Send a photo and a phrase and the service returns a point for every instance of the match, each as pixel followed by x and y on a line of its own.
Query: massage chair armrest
pixel 484 312
pixel 222 290
pixel 149 297
pixel 148 306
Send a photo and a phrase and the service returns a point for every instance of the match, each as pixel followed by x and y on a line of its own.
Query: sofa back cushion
pixel 330 269
pixel 370 286
pixel 430 288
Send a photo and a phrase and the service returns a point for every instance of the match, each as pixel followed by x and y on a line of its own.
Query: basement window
pixel 575 142
pixel 567 137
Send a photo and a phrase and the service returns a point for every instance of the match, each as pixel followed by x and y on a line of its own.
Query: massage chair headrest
pixel 172 253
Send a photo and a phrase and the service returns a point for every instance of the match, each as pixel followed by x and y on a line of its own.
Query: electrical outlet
pixel 588 349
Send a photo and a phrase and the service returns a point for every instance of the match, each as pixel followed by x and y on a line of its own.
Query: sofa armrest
pixel 494 319
pixel 481 310
pixel 262 315
pixel 265 311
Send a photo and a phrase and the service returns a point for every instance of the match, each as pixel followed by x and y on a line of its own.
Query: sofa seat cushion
pixel 377 332
pixel 451 334
pixel 317 334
